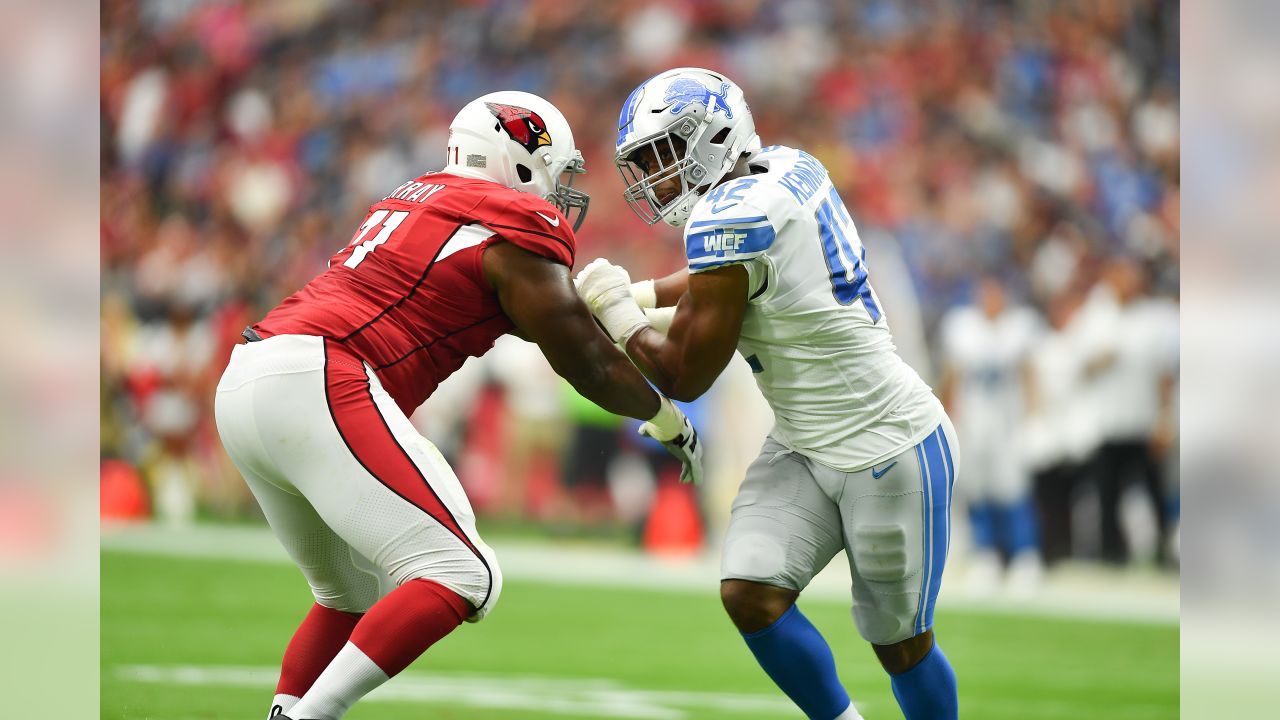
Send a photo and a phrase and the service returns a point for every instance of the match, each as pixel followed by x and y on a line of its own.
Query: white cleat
pixel 850 714
pixel 983 576
pixel 1025 575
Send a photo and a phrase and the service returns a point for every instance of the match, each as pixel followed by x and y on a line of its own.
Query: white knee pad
pixel 884 568
pixel 754 556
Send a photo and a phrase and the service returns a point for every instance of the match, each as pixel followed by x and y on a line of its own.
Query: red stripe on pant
pixel 370 440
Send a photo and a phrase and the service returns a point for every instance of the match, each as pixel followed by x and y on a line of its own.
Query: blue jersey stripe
pixel 938 534
pixel 728 243
pixel 924 548
pixel 728 221
pixel 696 267
pixel 951 481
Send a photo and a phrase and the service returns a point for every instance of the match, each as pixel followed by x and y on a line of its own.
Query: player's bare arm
pixel 538 295
pixel 703 335
pixel 663 292
pixel 668 290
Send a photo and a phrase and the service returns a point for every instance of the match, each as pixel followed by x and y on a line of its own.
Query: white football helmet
pixel 519 140
pixel 690 123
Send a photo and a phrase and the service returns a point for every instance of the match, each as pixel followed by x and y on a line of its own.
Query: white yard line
pixel 569 697
pixel 1086 593
pixel 553 695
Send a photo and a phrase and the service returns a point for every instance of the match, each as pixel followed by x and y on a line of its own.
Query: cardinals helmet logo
pixel 522 125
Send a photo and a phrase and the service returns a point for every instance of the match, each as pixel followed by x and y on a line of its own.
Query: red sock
pixel 410 619
pixel 320 636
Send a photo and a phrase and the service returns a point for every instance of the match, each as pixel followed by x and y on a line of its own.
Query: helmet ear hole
pixel 497 127
pixel 720 136
pixel 525 173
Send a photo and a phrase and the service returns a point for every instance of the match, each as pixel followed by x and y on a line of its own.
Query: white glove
pixel 672 428
pixel 606 289
pixel 660 318
pixel 645 293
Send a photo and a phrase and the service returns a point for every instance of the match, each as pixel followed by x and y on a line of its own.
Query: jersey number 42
pixel 848 273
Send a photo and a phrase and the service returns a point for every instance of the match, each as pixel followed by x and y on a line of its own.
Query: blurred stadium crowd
pixel 1001 159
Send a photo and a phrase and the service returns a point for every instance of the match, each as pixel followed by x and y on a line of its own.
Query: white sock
pixel 282 704
pixel 851 713
pixel 349 677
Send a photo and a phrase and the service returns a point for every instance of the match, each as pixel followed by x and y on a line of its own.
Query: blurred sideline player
pixel 1131 346
pixel 986 352
pixel 1060 430
pixel 313 409
pixel 862 455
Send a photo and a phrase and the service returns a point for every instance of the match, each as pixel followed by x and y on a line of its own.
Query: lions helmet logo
pixel 522 125
pixel 684 92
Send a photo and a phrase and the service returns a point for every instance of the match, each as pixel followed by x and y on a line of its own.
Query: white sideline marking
pixel 558 696
pixel 592 697
pixel 1086 594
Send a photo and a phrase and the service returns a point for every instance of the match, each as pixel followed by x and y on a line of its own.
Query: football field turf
pixel 187 638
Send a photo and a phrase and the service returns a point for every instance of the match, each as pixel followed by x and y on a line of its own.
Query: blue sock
pixel 797 658
pixel 982 522
pixel 928 690
pixel 1021 529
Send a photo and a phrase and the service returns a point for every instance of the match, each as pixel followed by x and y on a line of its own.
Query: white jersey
pixel 988 355
pixel 1062 428
pixel 814 333
pixel 1140 341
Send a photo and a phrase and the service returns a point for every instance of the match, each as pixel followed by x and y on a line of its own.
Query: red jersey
pixel 408 294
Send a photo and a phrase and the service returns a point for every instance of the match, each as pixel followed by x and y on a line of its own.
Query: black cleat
pixel 277 713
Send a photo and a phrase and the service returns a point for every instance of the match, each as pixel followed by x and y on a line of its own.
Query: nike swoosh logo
pixel 555 221
pixel 883 470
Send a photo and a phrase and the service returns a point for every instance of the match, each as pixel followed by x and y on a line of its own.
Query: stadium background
pixel 241 142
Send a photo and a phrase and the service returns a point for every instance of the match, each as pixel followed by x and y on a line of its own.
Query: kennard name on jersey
pixel 814 332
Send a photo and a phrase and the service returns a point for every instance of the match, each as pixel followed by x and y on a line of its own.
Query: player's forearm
pixel 668 290
pixel 1167 415
pixel 1030 389
pixel 614 384
pixel 659 358
pixel 947 388
pixel 1168 383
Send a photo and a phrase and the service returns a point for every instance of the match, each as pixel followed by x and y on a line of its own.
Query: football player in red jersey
pixel 314 408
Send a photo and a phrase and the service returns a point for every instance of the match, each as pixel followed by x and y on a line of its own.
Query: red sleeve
pixel 533 224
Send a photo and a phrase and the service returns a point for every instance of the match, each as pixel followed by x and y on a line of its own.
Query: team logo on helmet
pixel 684 92
pixel 522 125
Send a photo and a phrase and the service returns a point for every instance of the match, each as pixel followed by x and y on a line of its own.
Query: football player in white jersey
pixel 986 349
pixel 862 457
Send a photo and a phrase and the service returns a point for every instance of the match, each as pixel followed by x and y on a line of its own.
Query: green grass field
pixel 192 639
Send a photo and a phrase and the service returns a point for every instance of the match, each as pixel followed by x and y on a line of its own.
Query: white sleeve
pixel 737 234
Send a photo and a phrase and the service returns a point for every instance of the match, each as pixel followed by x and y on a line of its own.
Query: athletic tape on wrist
pixel 645 294
pixel 668 421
